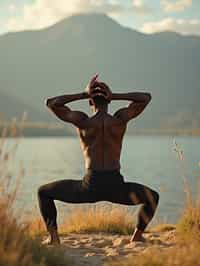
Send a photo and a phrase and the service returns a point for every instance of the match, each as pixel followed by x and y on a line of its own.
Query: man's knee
pixel 155 198
pixel 42 191
pixel 152 197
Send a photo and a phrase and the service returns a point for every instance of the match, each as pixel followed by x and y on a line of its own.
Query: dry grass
pixel 188 226
pixel 92 219
pixel 35 226
pixel 99 219
pixel 160 228
pixel 187 255
pixel 17 248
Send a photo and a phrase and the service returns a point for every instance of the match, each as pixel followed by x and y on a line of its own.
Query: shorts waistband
pixel 103 172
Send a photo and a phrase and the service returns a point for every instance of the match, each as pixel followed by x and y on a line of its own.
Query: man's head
pixel 100 96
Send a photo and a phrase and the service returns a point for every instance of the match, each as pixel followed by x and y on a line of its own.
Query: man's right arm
pixel 139 100
pixel 57 105
pixel 63 112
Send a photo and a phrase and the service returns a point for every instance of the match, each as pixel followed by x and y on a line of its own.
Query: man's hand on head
pixel 96 87
pixel 93 83
pixel 106 90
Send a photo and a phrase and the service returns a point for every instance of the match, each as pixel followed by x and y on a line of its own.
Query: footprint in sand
pixel 111 252
pixel 133 245
pixel 120 242
pixel 85 241
pixel 70 237
pixel 103 243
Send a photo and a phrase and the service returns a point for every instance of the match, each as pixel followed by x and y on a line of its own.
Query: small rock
pixel 111 252
pixel 90 254
pixel 102 243
pixel 154 235
pixel 135 245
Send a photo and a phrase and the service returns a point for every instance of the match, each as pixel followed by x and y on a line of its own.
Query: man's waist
pixel 91 171
pixel 96 165
pixel 96 177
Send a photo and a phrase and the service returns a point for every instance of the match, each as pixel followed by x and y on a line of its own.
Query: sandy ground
pixel 96 249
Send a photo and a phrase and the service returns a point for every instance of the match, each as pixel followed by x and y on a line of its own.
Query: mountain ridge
pixel 52 61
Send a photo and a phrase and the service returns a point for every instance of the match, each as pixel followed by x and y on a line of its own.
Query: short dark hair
pixel 98 100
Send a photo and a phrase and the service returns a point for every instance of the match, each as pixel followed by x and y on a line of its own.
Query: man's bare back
pixel 101 141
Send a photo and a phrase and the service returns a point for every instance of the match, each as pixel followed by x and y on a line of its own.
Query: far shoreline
pixel 48 129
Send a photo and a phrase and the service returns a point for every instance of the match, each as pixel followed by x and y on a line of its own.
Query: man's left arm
pixel 139 100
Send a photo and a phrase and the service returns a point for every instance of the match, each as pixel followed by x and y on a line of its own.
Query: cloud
pixel 177 6
pixel 43 13
pixel 141 7
pixel 183 26
pixel 12 8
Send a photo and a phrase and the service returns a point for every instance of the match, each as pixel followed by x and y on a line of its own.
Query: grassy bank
pixel 17 246
pixel 94 219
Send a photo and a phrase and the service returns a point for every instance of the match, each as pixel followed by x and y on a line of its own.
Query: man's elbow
pixel 49 103
pixel 148 97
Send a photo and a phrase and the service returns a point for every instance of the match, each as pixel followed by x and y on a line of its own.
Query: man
pixel 101 138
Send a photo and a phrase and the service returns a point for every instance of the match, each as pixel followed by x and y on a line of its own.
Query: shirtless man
pixel 101 138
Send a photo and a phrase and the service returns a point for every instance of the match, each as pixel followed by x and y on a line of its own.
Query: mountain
pixel 61 59
pixel 11 107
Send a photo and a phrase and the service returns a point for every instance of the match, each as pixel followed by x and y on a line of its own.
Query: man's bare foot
pixel 137 236
pixel 53 238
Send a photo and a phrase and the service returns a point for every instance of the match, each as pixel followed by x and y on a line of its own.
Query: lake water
pixel 148 160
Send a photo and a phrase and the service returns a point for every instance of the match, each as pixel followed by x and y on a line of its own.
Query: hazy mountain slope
pixel 36 64
pixel 11 107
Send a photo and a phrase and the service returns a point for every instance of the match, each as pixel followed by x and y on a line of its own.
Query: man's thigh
pixel 129 193
pixel 71 191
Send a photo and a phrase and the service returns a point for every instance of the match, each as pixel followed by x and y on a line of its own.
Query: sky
pixel 147 16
